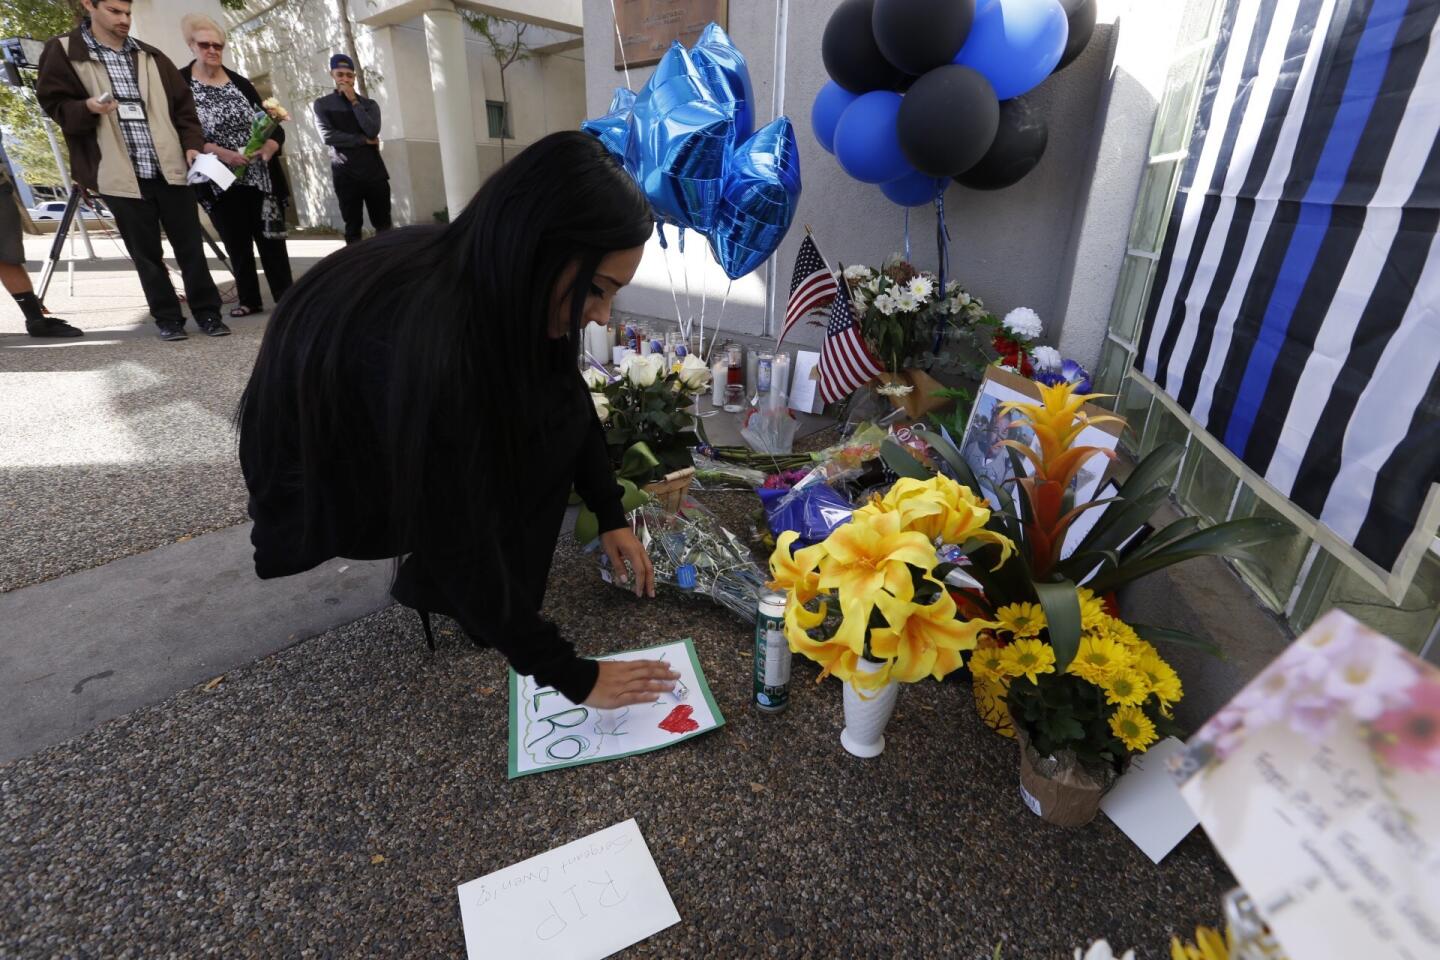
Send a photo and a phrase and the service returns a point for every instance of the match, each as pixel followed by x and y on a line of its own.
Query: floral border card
pixel 1320 786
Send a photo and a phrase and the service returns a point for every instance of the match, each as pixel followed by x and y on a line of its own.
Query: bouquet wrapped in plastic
pixel 692 552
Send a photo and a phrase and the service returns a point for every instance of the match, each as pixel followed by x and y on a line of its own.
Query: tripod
pixel 80 196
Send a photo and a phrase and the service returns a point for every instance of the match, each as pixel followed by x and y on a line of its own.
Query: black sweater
pixel 472 575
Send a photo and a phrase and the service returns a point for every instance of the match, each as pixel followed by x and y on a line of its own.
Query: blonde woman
pixel 252 212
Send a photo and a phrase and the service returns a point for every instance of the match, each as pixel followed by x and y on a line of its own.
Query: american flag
pixel 845 362
pixel 812 286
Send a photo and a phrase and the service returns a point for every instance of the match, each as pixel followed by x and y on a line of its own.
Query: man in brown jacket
pixel 129 121
pixel 14 224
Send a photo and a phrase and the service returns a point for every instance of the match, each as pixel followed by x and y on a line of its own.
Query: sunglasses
pixel 205 45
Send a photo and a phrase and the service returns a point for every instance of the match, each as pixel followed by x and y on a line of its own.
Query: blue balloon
pixel 724 68
pixel 762 193
pixel 866 142
pixel 830 102
pixel 680 142
pixel 613 129
pixel 1016 44
pixel 915 190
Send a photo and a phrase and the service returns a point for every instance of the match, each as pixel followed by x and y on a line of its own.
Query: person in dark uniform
pixel 418 396
pixel 350 126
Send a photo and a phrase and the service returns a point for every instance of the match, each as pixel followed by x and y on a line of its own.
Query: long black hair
pixel 450 325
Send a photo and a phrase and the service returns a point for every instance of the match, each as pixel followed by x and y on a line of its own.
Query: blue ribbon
pixel 907 234
pixel 942 246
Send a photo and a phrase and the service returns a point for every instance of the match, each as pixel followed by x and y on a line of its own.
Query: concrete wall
pixel 1013 247
pixel 289 44
pixel 157 22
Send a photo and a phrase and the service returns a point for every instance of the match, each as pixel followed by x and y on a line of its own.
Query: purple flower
pixel 1069 372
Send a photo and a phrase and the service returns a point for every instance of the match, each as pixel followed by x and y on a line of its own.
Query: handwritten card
pixel 208 167
pixel 583 901
pixel 548 732
pixel 1318 784
pixel 804 389
pixel 1146 804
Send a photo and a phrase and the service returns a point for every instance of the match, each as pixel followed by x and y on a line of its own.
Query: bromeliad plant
pixel 884 574
pixel 648 428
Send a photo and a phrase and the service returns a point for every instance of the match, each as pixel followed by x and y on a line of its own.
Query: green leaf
pixel 1234 539
pixel 638 462
pixel 1062 615
pixel 587 525
pixel 1182 527
pixel 1167 635
pixel 1119 523
pixel 897 458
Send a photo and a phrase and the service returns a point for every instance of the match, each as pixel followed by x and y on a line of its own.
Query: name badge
pixel 132 110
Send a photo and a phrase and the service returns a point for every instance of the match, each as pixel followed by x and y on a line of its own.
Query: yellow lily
pixel 795 573
pixel 924 640
pixel 870 554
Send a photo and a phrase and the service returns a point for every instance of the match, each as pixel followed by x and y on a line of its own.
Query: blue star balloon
pixel 723 66
pixel 762 192
pixel 680 142
pixel 613 129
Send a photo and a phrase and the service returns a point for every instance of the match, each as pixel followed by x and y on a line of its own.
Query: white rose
pixel 964 299
pixel 885 304
pixel 907 302
pixel 1046 358
pixel 602 406
pixel 595 379
pixel 641 371
pixel 858 272
pixel 694 375
pixel 921 288
pixel 1023 323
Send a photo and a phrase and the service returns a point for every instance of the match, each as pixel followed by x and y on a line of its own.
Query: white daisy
pixel 858 272
pixel 907 301
pixel 1023 323
pixel 885 304
pixel 922 287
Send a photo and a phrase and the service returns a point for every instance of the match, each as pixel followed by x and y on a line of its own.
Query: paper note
pixel 207 166
pixel 804 387
pixel 1318 785
pixel 583 901
pixel 1146 802
pixel 548 732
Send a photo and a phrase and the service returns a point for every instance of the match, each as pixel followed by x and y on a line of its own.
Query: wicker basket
pixel 670 492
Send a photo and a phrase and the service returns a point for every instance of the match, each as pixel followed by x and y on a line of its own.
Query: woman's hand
pixel 266 152
pixel 621 546
pixel 231 158
pixel 623 683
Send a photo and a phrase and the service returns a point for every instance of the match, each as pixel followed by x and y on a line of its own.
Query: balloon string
pixel 624 60
pixel 942 245
pixel 685 269
pixel 715 337
pixel 907 234
pixel 704 294
pixel 679 320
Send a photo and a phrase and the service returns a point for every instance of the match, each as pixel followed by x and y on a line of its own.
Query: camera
pixel 19 53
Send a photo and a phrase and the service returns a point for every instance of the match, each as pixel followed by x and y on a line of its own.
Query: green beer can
pixel 772 655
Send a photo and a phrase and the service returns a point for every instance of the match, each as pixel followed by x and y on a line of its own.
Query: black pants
pixel 238 215
pixel 355 196
pixel 139 222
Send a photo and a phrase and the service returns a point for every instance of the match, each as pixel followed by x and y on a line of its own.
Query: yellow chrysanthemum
pixel 795 574
pixel 1208 945
pixel 990 705
pixel 1092 611
pixel 985 661
pixel 1099 658
pixel 870 554
pixel 1134 729
pixel 1028 659
pixel 1022 619
pixel 1164 681
pixel 1127 688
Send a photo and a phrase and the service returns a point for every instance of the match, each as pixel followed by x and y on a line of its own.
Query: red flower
pixel 1408 737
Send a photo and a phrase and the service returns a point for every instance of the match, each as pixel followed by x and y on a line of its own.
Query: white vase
pixel 867 715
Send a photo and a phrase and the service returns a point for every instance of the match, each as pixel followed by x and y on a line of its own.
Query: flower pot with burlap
pixel 670 491
pixel 1062 792
pixel 921 399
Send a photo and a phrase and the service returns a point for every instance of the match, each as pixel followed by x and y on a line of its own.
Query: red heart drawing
pixel 678 720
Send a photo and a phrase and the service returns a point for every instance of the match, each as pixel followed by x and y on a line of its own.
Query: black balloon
pixel 948 120
pixel 848 48
pixel 919 35
pixel 1019 145
pixel 1081 14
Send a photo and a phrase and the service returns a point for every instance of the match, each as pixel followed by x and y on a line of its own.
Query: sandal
pixel 243 311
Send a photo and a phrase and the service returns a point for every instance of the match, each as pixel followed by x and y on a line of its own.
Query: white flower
pixel 1371 679
pixel 895 390
pixel 1047 358
pixel 642 371
pixel 595 379
pixel 693 374
pixel 1101 950
pixel 885 304
pixel 602 406
pixel 874 285
pixel 858 272
pixel 907 302
pixel 921 288
pixel 860 300
pixel 1023 323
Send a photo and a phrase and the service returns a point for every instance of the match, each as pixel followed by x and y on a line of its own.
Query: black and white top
pixel 227 115
pixel 120 65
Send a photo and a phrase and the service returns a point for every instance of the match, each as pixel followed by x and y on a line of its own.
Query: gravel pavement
pixel 325 802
